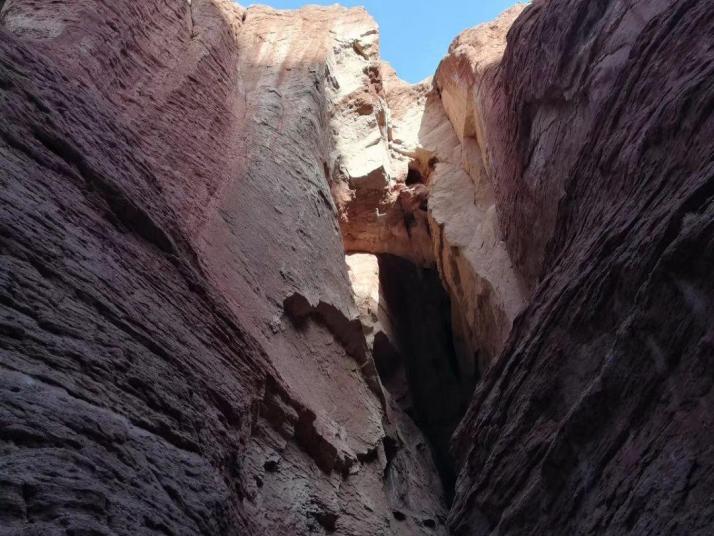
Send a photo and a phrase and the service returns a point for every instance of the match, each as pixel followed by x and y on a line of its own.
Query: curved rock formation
pixel 487 290
pixel 185 350
pixel 163 195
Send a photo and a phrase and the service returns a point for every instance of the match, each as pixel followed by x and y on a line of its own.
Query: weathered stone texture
pixel 596 418
pixel 163 197
pixel 184 350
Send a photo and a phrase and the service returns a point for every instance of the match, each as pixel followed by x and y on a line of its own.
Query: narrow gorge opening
pixel 406 314
pixel 425 383
pixel 414 177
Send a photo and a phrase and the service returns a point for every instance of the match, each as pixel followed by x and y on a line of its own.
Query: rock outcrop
pixel 185 350
pixel 596 418
pixel 428 197
pixel 180 350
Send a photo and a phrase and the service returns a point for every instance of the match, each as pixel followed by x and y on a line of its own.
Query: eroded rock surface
pixel 163 198
pixel 428 198
pixel 378 186
pixel 596 418
pixel 485 290
pixel 184 350
pixel 405 312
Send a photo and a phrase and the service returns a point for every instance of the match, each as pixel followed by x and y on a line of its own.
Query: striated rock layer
pixel 597 417
pixel 180 349
pixel 409 180
pixel 185 350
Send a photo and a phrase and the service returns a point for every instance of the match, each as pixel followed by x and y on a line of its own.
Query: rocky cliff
pixel 180 345
pixel 596 419
pixel 186 349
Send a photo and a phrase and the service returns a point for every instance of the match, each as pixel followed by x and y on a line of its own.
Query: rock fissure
pixel 253 283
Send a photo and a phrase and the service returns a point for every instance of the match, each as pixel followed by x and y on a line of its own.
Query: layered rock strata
pixel 596 417
pixel 418 187
pixel 184 350
pixel 180 346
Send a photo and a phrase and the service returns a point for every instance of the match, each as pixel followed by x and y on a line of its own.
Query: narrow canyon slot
pixel 421 316
pixel 406 317
pixel 252 282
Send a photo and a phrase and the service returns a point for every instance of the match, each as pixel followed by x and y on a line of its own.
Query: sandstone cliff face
pixel 185 350
pixel 180 347
pixel 486 288
pixel 597 417
pixel 428 197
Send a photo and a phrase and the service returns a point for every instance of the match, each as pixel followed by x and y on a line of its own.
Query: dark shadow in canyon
pixel 424 377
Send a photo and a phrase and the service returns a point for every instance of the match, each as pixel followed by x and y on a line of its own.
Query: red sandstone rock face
pixel 597 418
pixel 179 344
pixel 180 348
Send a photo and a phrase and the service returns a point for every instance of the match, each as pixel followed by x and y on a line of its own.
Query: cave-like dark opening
pixel 420 311
pixel 414 176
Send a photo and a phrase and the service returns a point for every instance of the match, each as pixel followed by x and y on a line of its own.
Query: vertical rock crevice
pixel 411 186
pixel 405 314
pixel 419 187
pixel 177 322
pixel 421 317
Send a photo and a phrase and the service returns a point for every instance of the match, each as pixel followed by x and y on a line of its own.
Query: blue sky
pixel 415 34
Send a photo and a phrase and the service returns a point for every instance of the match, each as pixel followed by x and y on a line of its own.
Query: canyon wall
pixel 185 349
pixel 427 196
pixel 180 346
pixel 596 419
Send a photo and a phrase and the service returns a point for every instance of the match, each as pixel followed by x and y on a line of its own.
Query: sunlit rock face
pixel 485 290
pixel 180 345
pixel 381 206
pixel 185 349
pixel 409 179
pixel 427 195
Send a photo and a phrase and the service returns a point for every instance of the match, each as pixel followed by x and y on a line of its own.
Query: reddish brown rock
pixel 597 417
pixel 183 349
pixel 164 205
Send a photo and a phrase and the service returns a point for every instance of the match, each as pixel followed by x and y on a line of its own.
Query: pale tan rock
pixel 433 129
pixel 431 199
pixel 367 178
pixel 364 277
pixel 472 55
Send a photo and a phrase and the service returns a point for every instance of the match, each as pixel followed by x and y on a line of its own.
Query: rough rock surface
pixel 179 344
pixel 184 350
pixel 405 313
pixel 597 417
pixel 408 180
pixel 378 185
pixel 485 290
